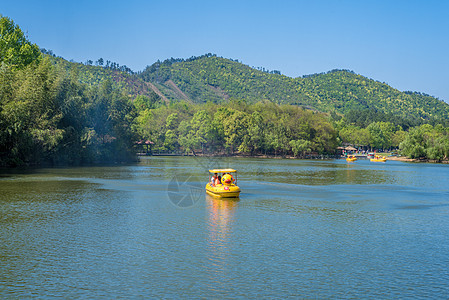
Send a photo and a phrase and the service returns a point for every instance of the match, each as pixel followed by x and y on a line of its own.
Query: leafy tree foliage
pixel 428 142
pixel 59 112
pixel 363 118
pixel 147 102
pixel 235 127
pixel 15 49
pixel 48 116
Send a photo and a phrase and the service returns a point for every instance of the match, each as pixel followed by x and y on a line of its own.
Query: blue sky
pixel 403 43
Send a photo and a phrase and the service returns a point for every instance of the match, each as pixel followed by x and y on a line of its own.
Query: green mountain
pixel 211 78
pixel 58 112
pixel 95 75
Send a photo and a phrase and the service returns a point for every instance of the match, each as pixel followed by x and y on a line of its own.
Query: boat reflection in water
pixel 221 213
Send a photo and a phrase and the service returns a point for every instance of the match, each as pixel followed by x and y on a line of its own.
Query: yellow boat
pixel 351 158
pixel 379 158
pixel 224 188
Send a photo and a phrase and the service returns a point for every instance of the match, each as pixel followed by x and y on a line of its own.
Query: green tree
pixel 256 127
pixel 188 140
pixel 437 143
pixel 381 134
pixel 414 145
pixel 29 114
pixel 15 49
pixel 202 129
pixel 171 140
pixel 235 129
pixel 142 102
pixel 397 138
pixel 300 146
pixel 172 121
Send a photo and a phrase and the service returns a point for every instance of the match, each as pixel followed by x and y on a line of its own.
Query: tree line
pixel 48 116
pixel 414 138
pixel 236 127
pixel 99 62
pixel 51 113
pixel 266 128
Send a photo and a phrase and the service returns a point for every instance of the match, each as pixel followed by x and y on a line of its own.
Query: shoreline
pixel 417 160
pixel 392 158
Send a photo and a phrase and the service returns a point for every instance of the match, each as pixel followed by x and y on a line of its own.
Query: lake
pixel 301 229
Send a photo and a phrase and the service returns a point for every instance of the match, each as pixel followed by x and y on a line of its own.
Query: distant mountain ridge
pixel 210 78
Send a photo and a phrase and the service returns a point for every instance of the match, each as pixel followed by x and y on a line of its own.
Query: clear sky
pixel 404 43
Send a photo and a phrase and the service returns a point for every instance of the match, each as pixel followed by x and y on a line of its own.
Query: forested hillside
pixel 57 112
pixel 211 78
pixel 121 77
pixel 48 116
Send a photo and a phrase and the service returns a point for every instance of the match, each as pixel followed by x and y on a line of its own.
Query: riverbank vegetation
pixel 48 116
pixel 62 113
pixel 237 127
pixel 413 137
pixel 265 128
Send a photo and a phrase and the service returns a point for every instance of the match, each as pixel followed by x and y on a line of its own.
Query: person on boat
pixel 218 180
pixel 213 180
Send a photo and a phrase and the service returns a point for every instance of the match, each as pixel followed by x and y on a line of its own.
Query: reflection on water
pixel 221 214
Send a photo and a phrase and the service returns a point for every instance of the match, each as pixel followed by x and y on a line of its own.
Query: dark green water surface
pixel 301 229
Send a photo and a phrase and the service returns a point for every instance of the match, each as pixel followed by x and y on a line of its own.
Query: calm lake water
pixel 301 229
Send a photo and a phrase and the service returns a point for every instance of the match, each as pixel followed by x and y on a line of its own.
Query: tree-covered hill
pixel 95 75
pixel 53 111
pixel 211 78
pixel 375 114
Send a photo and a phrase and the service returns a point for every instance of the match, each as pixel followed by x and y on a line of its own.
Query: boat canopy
pixel 222 171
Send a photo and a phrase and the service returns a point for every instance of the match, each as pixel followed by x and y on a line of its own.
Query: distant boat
pixel 351 158
pixel 378 158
